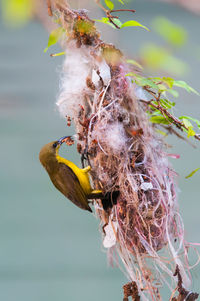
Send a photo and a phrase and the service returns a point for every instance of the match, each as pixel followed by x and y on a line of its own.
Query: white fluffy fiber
pixel 76 68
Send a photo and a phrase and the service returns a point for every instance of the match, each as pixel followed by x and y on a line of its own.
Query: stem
pixel 118 10
pixel 50 13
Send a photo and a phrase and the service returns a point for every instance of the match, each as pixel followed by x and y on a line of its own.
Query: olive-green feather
pixel 67 182
pixel 70 180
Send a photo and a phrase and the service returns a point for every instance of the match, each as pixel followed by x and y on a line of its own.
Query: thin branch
pixel 101 6
pixel 50 13
pixel 118 10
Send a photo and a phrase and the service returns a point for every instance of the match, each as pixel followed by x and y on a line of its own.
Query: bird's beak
pixel 61 140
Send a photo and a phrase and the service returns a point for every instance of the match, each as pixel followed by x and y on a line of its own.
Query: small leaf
pixel 173 92
pixel 143 81
pixel 133 74
pixel 161 88
pixel 58 54
pixel 192 173
pixel 121 2
pixel 109 4
pixel 189 127
pixel 167 104
pixel 171 32
pixel 184 85
pixel 133 23
pixel 156 79
pixel 161 132
pixel 191 132
pixel 117 22
pixel 107 21
pixel 159 119
pixel 54 37
pixel 133 62
pixel 186 123
pixel 159 58
pixel 169 81
pixel 147 82
pixel 191 118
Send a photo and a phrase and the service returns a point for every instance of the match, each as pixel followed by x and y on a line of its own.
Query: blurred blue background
pixel 50 250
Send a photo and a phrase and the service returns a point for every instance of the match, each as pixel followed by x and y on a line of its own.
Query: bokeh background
pixel 49 249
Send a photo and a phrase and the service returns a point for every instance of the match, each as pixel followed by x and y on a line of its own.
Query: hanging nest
pixel 125 155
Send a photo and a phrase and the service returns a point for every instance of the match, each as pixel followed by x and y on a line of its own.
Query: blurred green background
pixel 50 250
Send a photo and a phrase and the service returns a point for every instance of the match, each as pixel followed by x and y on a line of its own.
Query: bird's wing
pixel 67 182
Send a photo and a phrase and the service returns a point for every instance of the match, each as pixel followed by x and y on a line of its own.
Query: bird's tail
pixel 108 199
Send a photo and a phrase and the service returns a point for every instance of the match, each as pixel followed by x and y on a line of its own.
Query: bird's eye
pixel 55 144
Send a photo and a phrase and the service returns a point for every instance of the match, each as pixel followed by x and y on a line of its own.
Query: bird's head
pixel 49 151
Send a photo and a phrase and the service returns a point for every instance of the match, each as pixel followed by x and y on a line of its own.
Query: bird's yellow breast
pixel 82 174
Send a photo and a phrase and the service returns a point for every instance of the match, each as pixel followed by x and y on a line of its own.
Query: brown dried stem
pixel 183 293
pixel 131 290
pixel 50 13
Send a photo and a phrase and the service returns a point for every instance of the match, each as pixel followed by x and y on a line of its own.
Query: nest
pixel 125 155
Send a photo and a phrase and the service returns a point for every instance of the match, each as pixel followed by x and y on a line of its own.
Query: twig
pixel 183 293
pixel 50 13
pixel 131 289
pixel 118 10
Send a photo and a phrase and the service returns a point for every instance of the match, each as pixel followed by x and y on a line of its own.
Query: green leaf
pixel 169 81
pixel 147 82
pixel 159 119
pixel 154 56
pixel 173 92
pixel 171 32
pixel 54 37
pixel 161 132
pixel 189 127
pixel 184 85
pixel 142 81
pixel 133 23
pixel 162 88
pixel 17 12
pixel 107 21
pixel 121 2
pixel 187 123
pixel 167 104
pixel 133 75
pixel 163 83
pixel 191 118
pixel 192 173
pixel 109 4
pixel 191 132
pixel 133 62
pixel 159 58
pixel 117 22
pixel 58 54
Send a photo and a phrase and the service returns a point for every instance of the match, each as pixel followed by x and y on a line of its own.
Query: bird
pixel 72 181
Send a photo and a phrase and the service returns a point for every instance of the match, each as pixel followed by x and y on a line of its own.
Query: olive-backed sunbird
pixel 68 178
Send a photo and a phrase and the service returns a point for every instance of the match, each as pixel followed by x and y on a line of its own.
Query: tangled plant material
pixel 125 155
